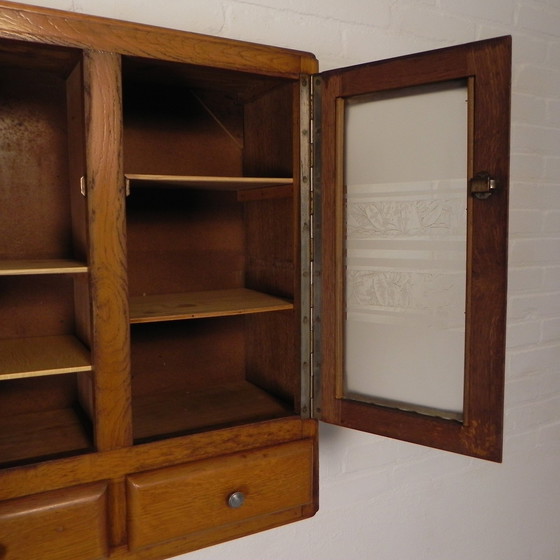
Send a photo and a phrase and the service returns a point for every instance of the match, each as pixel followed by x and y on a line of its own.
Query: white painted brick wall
pixel 383 499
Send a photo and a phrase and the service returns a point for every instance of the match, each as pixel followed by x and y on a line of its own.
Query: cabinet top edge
pixel 58 27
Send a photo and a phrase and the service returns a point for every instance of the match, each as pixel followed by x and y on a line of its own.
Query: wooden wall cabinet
pixel 159 213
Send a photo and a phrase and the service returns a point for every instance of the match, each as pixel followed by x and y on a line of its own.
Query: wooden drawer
pixel 67 524
pixel 178 501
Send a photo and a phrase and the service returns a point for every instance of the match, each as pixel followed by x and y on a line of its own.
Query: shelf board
pixel 38 356
pixel 41 266
pixel 42 435
pixel 197 305
pixel 181 412
pixel 247 188
pixel 204 182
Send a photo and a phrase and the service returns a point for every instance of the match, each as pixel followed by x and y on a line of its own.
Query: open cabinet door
pixel 411 212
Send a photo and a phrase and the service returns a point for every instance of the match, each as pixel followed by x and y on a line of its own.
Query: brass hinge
pixel 316 88
pixel 306 256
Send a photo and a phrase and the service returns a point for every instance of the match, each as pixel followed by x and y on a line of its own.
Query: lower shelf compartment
pixel 182 412
pixel 37 436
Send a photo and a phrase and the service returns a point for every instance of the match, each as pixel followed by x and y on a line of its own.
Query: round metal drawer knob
pixel 236 500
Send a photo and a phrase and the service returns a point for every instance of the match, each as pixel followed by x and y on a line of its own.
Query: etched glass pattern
pixel 405 178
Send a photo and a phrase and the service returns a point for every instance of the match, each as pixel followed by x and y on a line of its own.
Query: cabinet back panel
pixel 34 196
pixel 23 396
pixel 187 355
pixel 36 306
pixel 182 241
pixel 172 131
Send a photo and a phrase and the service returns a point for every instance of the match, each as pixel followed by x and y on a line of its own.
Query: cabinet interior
pixel 211 243
pixel 211 247
pixel 43 261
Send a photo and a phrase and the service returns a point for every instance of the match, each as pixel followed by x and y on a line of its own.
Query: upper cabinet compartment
pixel 212 245
pixel 198 143
pixel 241 121
pixel 36 98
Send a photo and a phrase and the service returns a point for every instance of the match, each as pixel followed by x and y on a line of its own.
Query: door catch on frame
pixel 483 185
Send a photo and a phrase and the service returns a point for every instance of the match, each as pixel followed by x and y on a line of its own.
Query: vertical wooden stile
pixel 107 258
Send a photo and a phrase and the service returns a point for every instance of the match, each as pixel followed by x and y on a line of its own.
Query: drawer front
pixel 67 524
pixel 178 501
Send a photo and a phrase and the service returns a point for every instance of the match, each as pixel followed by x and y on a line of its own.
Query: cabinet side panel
pixel 272 149
pixel 77 170
pixel 105 194
pixel 76 160
pixel 268 134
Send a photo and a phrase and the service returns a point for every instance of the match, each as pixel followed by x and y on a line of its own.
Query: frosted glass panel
pixel 405 176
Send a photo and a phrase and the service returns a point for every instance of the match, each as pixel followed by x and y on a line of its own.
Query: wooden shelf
pixel 38 356
pixel 181 412
pixel 197 305
pixel 203 182
pixel 42 435
pixel 247 188
pixel 41 266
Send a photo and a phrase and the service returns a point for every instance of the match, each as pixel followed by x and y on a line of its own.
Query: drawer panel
pixel 67 524
pixel 178 501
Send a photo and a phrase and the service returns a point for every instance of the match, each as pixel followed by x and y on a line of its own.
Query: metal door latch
pixel 483 185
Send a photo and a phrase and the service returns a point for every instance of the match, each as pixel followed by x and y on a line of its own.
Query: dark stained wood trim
pixel 487 66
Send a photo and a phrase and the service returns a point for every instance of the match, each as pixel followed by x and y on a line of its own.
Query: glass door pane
pixel 405 256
